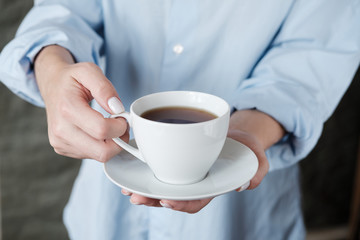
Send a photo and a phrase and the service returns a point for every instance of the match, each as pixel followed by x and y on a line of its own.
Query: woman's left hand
pixel 252 128
pixel 194 206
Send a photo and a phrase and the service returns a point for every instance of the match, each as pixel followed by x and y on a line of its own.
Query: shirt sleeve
pixel 74 25
pixel 304 73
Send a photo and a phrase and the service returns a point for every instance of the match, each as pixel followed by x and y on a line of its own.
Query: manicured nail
pixel 133 202
pixel 125 192
pixel 243 187
pixel 165 205
pixel 115 105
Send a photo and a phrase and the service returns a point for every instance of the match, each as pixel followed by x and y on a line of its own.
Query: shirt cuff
pixel 291 105
pixel 17 58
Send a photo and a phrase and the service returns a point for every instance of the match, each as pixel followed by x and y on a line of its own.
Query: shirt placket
pixel 179 35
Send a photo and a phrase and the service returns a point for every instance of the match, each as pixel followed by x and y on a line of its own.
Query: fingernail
pixel 134 202
pixel 165 205
pixel 125 192
pixel 244 187
pixel 115 105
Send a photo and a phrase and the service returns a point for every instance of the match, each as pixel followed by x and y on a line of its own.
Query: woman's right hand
pixel 74 128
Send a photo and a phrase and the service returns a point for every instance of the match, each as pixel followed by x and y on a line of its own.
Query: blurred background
pixel 35 183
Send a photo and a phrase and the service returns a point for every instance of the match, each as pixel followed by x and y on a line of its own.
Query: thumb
pixel 101 89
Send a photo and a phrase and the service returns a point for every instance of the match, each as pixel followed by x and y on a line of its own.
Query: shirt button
pixel 178 49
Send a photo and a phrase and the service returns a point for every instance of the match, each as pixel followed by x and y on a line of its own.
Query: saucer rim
pixel 183 197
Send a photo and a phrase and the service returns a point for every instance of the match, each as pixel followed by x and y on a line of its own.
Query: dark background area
pixel 35 183
pixel 329 170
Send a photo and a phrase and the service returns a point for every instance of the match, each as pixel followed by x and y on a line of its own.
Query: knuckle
pixel 86 66
pixel 58 151
pixel 107 150
pixel 103 157
pixel 101 131
pixel 103 154
pixel 56 145
pixel 53 143
pixel 64 109
pixel 102 160
pixel 57 131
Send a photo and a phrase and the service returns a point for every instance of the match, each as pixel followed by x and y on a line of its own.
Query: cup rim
pixel 226 112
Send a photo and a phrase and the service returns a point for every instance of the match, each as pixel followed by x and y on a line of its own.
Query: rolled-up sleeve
pixel 74 25
pixel 304 74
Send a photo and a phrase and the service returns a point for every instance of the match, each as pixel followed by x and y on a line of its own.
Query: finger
pixel 262 170
pixel 141 200
pixel 256 147
pixel 93 79
pixel 75 143
pixel 243 187
pixel 92 122
pixel 192 206
pixel 126 192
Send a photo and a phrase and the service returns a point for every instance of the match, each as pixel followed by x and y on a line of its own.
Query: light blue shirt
pixel 292 59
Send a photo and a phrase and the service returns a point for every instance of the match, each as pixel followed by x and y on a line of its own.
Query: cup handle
pixel 134 151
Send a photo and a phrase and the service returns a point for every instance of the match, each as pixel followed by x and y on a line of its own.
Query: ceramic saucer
pixel 236 165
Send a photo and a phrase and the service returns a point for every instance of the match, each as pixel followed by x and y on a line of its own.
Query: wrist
pixel 261 126
pixel 52 57
pixel 48 65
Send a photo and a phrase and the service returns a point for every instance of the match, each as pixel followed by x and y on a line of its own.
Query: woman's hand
pixel 74 128
pixel 254 129
pixel 253 143
pixel 191 206
pixel 195 206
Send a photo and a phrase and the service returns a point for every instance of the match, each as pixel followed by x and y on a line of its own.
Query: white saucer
pixel 236 165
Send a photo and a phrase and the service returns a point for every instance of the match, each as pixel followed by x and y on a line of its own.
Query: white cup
pixel 177 153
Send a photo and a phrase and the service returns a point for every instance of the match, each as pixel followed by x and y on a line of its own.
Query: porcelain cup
pixel 177 153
